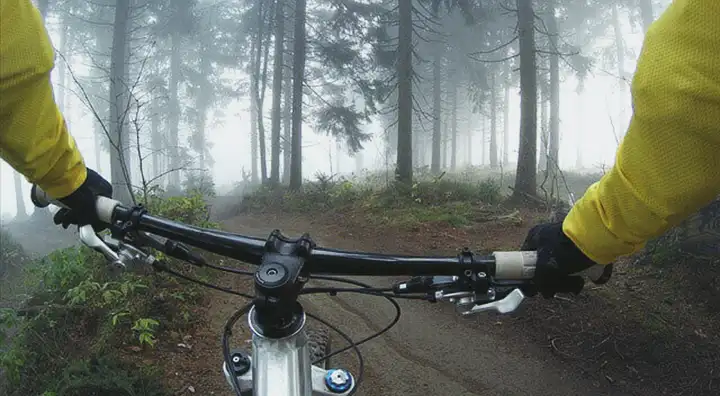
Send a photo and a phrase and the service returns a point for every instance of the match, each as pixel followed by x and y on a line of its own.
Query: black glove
pixel 558 258
pixel 82 208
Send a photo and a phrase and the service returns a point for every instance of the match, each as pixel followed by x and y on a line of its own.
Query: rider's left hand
pixel 82 207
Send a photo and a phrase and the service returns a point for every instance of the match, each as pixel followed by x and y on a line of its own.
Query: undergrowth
pixel 435 199
pixel 452 198
pixel 69 336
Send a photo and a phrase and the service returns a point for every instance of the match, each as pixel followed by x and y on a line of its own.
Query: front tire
pixel 319 346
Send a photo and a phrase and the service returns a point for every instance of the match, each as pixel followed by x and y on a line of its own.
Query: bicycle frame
pixel 282 367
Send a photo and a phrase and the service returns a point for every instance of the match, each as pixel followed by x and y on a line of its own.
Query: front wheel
pixel 319 346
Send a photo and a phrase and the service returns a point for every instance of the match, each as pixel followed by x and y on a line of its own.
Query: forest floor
pixel 644 333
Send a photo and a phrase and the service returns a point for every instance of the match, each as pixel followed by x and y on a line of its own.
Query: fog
pixel 590 123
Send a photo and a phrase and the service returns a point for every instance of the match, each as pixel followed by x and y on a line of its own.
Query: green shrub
pixel 199 182
pixel 79 309
pixel 11 253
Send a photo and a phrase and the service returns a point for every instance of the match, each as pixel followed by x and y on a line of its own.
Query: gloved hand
pixel 558 258
pixel 82 203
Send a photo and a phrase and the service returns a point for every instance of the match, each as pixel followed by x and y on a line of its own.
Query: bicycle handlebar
pixel 512 265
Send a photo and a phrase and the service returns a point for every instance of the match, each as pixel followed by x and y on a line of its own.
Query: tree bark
pixel 155 142
pixel 358 162
pixel 543 149
pixel 262 52
pixel 646 14
pixel 174 113
pixel 579 130
pixel 120 177
pixel 44 6
pixel 445 135
pixel 287 92
pixel 453 127
pixel 253 131
pixel 483 140
pixel 277 92
pixel 19 199
pixel 469 147
pixel 287 122
pixel 554 129
pixel 619 43
pixel 201 108
pixel 526 174
pixel 62 68
pixel 97 137
pixel 506 124
pixel 437 110
pixel 298 81
pixel 404 173
pixel 493 123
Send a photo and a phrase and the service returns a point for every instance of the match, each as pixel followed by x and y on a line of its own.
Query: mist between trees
pixel 431 81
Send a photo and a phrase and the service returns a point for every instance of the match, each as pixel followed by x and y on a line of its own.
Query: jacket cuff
pixel 586 226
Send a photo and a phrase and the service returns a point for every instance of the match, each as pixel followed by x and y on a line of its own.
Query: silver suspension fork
pixel 282 367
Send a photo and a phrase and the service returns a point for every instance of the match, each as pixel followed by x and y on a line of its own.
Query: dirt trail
pixel 431 350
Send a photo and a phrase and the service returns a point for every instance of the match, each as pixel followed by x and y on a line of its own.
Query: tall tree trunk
pixel 155 142
pixel 19 198
pixel 404 69
pixel 437 110
pixel 62 68
pixel 469 148
pixel 174 113
pixel 98 136
pixel 416 148
pixel 453 127
pixel 358 162
pixel 201 109
pixel 646 14
pixel 506 124
pixel 622 74
pixel 619 43
pixel 580 117
pixel 483 140
pixel 119 140
pixel 298 81
pixel 44 6
pixel 543 149
pixel 526 174
pixel 254 177
pixel 338 152
pixel 287 93
pixel 262 52
pixel 277 92
pixel 493 123
pixel 554 142
pixel 287 122
pixel 445 136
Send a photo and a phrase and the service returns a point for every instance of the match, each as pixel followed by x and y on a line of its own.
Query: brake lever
pixel 505 305
pixel 126 255
pixel 93 241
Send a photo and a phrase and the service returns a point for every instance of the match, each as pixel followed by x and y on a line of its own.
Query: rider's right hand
pixel 81 204
pixel 557 260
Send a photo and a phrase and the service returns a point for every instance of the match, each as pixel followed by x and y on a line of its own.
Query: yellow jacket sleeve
pixel 33 136
pixel 668 165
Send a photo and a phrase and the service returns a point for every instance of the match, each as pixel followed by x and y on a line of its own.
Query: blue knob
pixel 338 380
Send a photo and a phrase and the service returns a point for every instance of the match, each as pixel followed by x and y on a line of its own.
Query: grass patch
pixel 434 200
